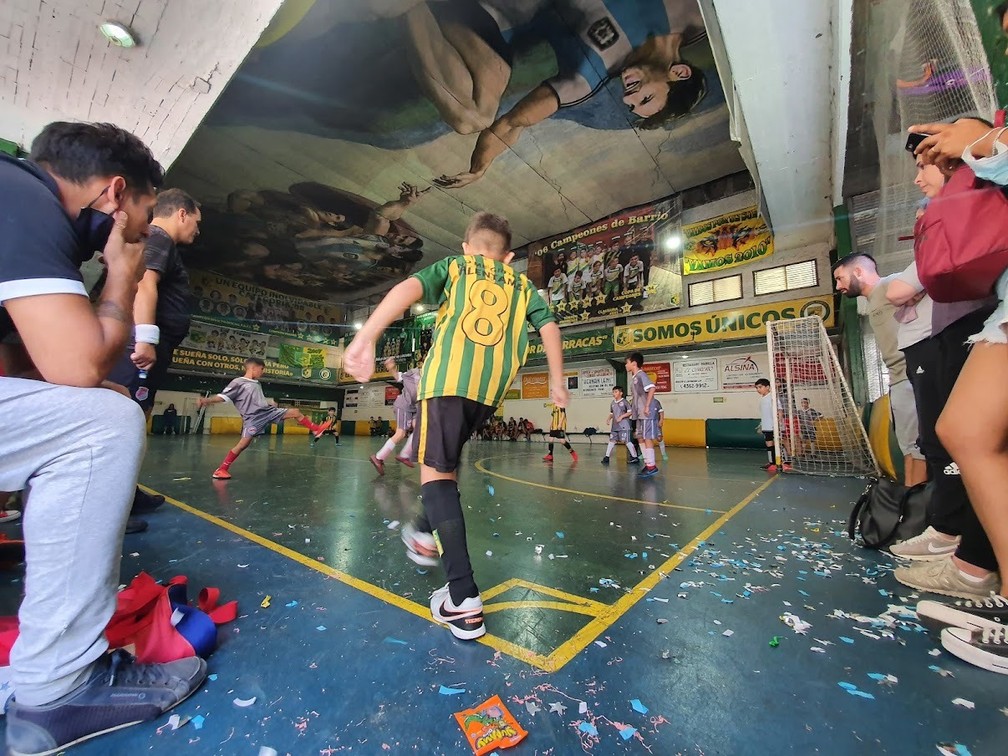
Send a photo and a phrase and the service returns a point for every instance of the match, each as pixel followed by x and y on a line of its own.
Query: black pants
pixel 143 390
pixel 933 365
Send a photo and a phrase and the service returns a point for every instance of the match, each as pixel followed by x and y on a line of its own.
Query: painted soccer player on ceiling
pixel 313 240
pixel 639 43
pixel 488 67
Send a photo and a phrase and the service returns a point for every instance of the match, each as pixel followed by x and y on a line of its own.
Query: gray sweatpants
pixel 76 454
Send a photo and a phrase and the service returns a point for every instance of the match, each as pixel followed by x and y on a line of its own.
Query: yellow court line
pixel 560 606
pixel 479 466
pixel 583 637
pixel 554 592
pixel 494 642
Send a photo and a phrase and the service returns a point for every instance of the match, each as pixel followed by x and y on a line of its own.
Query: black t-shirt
pixel 174 294
pixel 40 252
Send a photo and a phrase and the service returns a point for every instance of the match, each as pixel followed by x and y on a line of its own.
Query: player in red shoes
pixel 246 395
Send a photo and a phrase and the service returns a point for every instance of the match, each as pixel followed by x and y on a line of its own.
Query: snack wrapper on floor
pixel 490 726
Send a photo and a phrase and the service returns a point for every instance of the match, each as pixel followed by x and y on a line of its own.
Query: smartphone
pixel 913 142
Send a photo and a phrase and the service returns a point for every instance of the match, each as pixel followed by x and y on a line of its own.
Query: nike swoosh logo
pixel 940 549
pixel 445 612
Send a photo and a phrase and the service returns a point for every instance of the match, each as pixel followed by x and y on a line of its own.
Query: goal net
pixel 818 430
pixel 927 63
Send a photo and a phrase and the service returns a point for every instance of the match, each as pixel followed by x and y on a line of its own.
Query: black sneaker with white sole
pixel 973 614
pixel 119 693
pixel 987 649
pixel 465 620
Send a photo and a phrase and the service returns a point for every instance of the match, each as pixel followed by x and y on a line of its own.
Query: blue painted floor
pixel 344 660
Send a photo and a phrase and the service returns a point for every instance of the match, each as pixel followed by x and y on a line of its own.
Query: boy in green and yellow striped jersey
pixel 479 343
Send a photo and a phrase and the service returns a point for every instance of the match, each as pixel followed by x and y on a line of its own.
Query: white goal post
pixel 817 427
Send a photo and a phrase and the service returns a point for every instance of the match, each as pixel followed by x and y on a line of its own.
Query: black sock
pixel 771 452
pixel 568 447
pixel 551 448
pixel 444 513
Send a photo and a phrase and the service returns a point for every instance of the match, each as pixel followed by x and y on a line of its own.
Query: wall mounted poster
pixel 695 376
pixel 661 374
pixel 597 381
pixel 535 386
pixel 740 372
pixel 627 263
pixel 726 241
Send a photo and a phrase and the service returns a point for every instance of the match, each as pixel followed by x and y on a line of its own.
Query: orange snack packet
pixel 490 726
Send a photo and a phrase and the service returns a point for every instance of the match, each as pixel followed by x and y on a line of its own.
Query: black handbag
pixel 888 512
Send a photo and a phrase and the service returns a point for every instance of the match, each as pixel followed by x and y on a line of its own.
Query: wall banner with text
pixel 622 264
pixel 724 325
pixel 727 241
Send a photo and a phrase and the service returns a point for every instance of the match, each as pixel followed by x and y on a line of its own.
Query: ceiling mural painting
pixel 357 139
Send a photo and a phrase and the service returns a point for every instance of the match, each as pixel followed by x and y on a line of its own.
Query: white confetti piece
pixel 582 708
pixel 601 644
pixel 393 525
pixel 728 633
pixel 244 702
pixel 964 703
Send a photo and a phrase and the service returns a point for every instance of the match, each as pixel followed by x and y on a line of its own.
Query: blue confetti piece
pixel 197 721
pixel 421 572
pixel 593 589
pixel 862 694
pixel 631 555
pixel 291 604
pixel 962 750
pixel 490 490
pixel 450 691
pixel 643 555
pixel 878 676
pixel 883 592
pixel 803 593
pixel 320 628
pixel 845 639
pixel 627 732
pixel 559 534
pixel 390 639
pixel 727 601
pixel 847 685
pixel 212 677
pixel 638 706
pixel 934 668
pixel 588 727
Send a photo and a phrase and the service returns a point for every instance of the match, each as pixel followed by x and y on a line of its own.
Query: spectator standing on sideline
pixel 161 310
pixel 856 275
pixel 74 446
pixel 979 400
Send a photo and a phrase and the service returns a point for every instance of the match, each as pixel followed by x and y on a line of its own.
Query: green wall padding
pixel 734 433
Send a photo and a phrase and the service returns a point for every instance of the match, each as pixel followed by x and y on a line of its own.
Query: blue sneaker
pixel 118 694
pixel 647 471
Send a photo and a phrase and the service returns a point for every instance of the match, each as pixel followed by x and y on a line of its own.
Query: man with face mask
pixel 161 312
pixel 75 447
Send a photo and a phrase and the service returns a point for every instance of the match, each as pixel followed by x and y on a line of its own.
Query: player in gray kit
pixel 405 411
pixel 620 433
pixel 642 391
pixel 246 395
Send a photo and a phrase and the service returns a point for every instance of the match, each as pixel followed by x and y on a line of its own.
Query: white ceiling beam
pixel 782 82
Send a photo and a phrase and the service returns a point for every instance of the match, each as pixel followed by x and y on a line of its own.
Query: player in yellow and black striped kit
pixel 480 341
pixel 558 429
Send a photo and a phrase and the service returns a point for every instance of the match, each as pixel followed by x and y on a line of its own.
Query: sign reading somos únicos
pixel 726 325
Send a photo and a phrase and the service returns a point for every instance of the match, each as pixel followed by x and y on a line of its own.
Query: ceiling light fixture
pixel 118 34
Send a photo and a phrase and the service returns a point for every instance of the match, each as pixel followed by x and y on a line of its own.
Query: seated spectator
pixel 76 447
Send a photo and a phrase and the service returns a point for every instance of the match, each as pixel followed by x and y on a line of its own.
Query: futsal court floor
pixel 623 615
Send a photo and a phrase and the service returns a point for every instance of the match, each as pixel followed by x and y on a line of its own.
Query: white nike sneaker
pixel 926 547
pixel 465 620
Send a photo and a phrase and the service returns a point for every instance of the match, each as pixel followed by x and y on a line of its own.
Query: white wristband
pixel 146 333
